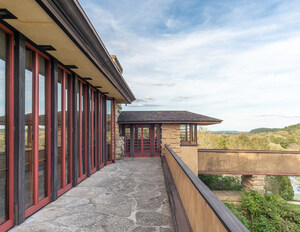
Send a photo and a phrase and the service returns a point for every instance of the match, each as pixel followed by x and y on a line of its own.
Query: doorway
pixel 142 140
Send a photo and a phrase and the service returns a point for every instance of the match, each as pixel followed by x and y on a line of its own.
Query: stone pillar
pixel 119 139
pixel 254 182
pixel 170 135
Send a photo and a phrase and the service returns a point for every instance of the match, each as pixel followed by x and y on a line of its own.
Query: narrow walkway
pixel 127 196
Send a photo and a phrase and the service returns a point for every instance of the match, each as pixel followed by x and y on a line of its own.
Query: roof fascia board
pixel 69 15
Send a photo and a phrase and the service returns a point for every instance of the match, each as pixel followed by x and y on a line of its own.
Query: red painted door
pixel 141 141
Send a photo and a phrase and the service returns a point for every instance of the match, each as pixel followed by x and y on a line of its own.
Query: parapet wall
pixel 244 162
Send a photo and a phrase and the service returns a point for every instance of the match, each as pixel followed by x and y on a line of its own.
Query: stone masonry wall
pixel 253 182
pixel 119 139
pixel 170 135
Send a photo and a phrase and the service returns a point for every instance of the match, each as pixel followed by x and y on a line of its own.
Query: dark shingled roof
pixel 127 117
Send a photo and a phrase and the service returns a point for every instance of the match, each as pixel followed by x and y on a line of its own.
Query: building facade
pixel 147 132
pixel 58 93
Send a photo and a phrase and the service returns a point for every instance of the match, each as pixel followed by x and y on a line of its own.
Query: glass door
pixel 6 129
pixel 64 130
pixel 37 130
pixel 94 124
pixel 82 125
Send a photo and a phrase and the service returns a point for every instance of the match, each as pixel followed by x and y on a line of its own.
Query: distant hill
pixel 266 130
pixel 228 132
pixel 292 127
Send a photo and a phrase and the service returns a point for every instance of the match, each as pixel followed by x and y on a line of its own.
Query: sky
pixel 236 60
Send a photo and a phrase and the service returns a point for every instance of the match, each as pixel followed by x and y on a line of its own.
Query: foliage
pixel 280 185
pixel 287 138
pixel 263 130
pixel 219 182
pixel 267 212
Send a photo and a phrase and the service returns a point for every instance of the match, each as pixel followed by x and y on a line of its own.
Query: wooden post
pixel 19 135
pixel 88 123
pixel 131 140
pixel 152 139
pixel 75 132
pixel 54 128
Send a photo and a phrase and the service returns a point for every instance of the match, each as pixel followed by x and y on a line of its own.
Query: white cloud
pixel 245 67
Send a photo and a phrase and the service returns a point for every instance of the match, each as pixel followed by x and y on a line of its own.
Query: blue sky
pixel 234 60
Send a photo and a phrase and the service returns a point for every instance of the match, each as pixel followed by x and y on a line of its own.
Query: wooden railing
pixel 204 210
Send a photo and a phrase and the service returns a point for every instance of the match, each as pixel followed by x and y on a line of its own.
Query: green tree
pixel 281 185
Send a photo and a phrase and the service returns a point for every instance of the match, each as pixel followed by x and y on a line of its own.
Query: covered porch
pixel 129 195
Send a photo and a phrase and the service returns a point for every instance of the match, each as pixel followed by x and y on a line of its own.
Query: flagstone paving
pixel 127 196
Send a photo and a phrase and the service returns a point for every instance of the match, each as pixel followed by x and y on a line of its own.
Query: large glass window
pixel 6 129
pixel 64 158
pixel 82 125
pixel 94 123
pixel 108 131
pixel 3 136
pixel 37 121
pixel 42 128
pixel 28 129
pixel 101 134
pixel 188 134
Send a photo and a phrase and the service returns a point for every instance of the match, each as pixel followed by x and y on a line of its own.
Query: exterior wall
pixel 243 162
pixel 170 135
pixel 56 138
pixel 119 139
pixel 189 156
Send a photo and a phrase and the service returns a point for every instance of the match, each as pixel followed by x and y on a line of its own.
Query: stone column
pixel 170 135
pixel 119 139
pixel 254 182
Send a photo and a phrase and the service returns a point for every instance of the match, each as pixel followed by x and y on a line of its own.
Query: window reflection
pixel 108 130
pixel 3 132
pixel 59 128
pixel 43 103
pixel 67 148
pixel 83 107
pixel 28 129
pixel 188 134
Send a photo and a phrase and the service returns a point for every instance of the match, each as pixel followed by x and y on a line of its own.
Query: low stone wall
pixel 119 139
pixel 254 182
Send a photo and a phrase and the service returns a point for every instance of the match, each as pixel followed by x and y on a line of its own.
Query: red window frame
pixel 37 204
pixel 10 122
pixel 65 187
pixel 102 130
pixel 82 89
pixel 94 115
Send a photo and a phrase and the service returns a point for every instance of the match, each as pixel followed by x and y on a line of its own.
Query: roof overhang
pixel 168 122
pixel 64 26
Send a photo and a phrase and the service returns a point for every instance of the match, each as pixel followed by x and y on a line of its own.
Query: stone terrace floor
pixel 127 196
